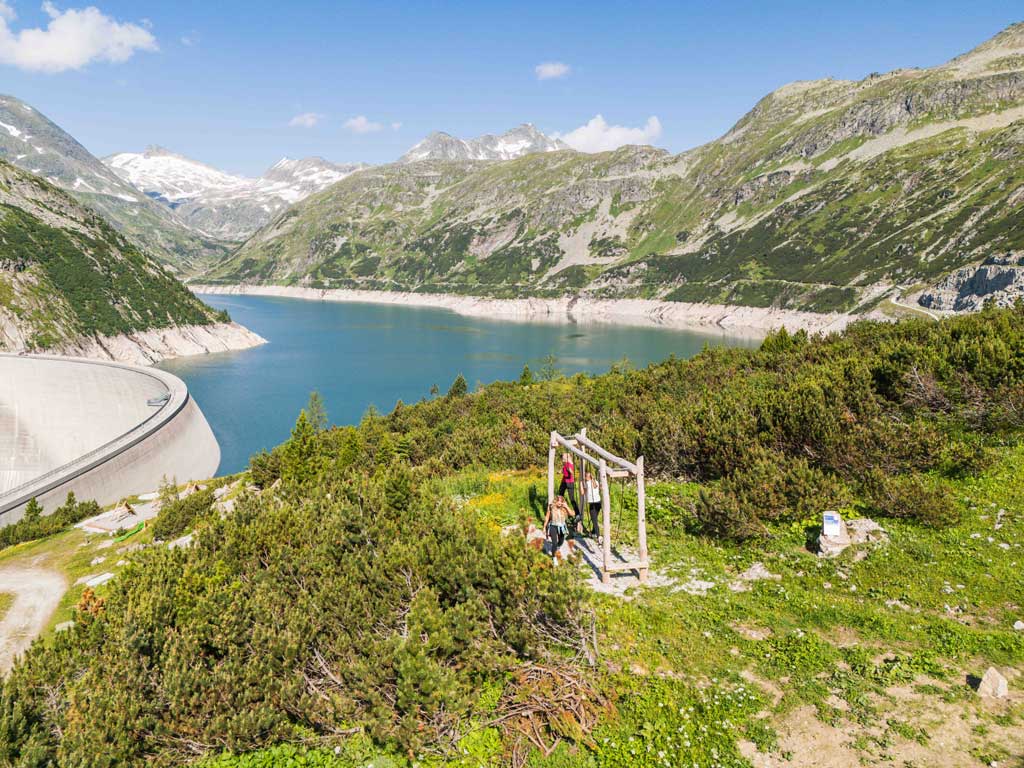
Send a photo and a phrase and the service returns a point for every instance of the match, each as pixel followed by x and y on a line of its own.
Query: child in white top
pixel 593 491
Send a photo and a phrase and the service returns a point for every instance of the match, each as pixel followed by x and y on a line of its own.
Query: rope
pixel 618 519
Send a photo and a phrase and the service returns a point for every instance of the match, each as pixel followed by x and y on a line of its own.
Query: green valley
pixel 827 196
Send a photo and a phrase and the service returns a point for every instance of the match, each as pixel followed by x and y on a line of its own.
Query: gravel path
pixel 37 592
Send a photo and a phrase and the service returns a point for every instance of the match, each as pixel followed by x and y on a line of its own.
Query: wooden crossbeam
pixel 583 439
pixel 635 565
pixel 569 446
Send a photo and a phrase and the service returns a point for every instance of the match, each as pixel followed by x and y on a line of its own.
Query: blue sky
pixel 220 81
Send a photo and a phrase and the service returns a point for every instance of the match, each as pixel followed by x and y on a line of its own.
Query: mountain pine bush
pixel 339 604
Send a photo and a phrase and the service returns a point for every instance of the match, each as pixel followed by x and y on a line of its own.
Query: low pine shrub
pixel 35 525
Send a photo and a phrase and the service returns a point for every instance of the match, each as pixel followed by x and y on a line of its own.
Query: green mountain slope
pixel 827 195
pixel 29 140
pixel 66 275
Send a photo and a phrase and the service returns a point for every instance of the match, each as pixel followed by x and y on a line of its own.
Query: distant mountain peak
pixel 524 139
pixel 219 203
pixel 155 150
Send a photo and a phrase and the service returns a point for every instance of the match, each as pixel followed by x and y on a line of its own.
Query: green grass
pixel 6 600
pixel 690 683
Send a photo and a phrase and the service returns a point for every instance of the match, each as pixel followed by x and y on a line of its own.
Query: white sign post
pixel 831 524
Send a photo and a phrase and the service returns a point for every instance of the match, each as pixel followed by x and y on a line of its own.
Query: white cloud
pixel 395 126
pixel 359 124
pixel 191 39
pixel 551 70
pixel 598 136
pixel 72 39
pixel 305 120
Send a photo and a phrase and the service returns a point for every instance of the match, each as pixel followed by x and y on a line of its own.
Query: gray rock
pixel 1000 278
pixel 852 532
pixel 184 541
pixel 864 530
pixel 756 572
pixel 993 685
pixel 833 546
pixel 698 587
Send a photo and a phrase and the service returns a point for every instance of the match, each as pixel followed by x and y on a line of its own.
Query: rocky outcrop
pixel 999 279
pixel 766 185
pixel 152 346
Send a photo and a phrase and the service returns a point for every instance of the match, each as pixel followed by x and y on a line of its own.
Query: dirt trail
pixel 37 592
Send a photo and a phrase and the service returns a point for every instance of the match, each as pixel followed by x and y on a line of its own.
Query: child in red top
pixel 569 483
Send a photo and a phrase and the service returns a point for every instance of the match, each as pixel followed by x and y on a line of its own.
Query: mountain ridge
pixel 522 140
pixel 33 142
pixel 827 195
pixel 218 203
pixel 69 282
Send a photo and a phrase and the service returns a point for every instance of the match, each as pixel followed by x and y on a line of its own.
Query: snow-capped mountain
pixel 523 140
pixel 31 141
pixel 221 203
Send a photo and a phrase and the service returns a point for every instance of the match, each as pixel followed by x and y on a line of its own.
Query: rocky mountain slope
pixel 522 140
pixel 828 195
pixel 31 141
pixel 218 203
pixel 70 283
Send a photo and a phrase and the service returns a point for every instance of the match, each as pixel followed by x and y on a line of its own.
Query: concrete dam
pixel 102 430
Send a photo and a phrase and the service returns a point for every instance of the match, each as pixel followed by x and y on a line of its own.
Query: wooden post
pixel 641 518
pixel 551 469
pixel 606 526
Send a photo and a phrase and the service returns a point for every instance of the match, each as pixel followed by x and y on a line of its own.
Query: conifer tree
pixel 33 511
pixel 316 412
pixel 459 387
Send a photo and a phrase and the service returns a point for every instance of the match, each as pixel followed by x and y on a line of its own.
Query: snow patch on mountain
pixel 220 203
pixel 523 140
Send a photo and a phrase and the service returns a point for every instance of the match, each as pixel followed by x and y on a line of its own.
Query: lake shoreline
pixel 731 319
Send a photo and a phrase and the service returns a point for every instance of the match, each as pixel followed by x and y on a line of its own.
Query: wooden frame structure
pixel 609 466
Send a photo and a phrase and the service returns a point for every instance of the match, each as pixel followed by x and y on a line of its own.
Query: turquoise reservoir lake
pixel 358 355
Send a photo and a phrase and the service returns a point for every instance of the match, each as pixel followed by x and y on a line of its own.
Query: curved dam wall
pixel 102 430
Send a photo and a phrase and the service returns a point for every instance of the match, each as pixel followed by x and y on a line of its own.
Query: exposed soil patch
pixel 37 592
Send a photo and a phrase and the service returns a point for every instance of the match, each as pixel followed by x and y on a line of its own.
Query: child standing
pixel 592 489
pixel 569 482
pixel 554 523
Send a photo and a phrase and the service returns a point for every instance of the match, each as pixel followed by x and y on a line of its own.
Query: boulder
pixel 993 685
pixel 834 545
pixel 862 530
